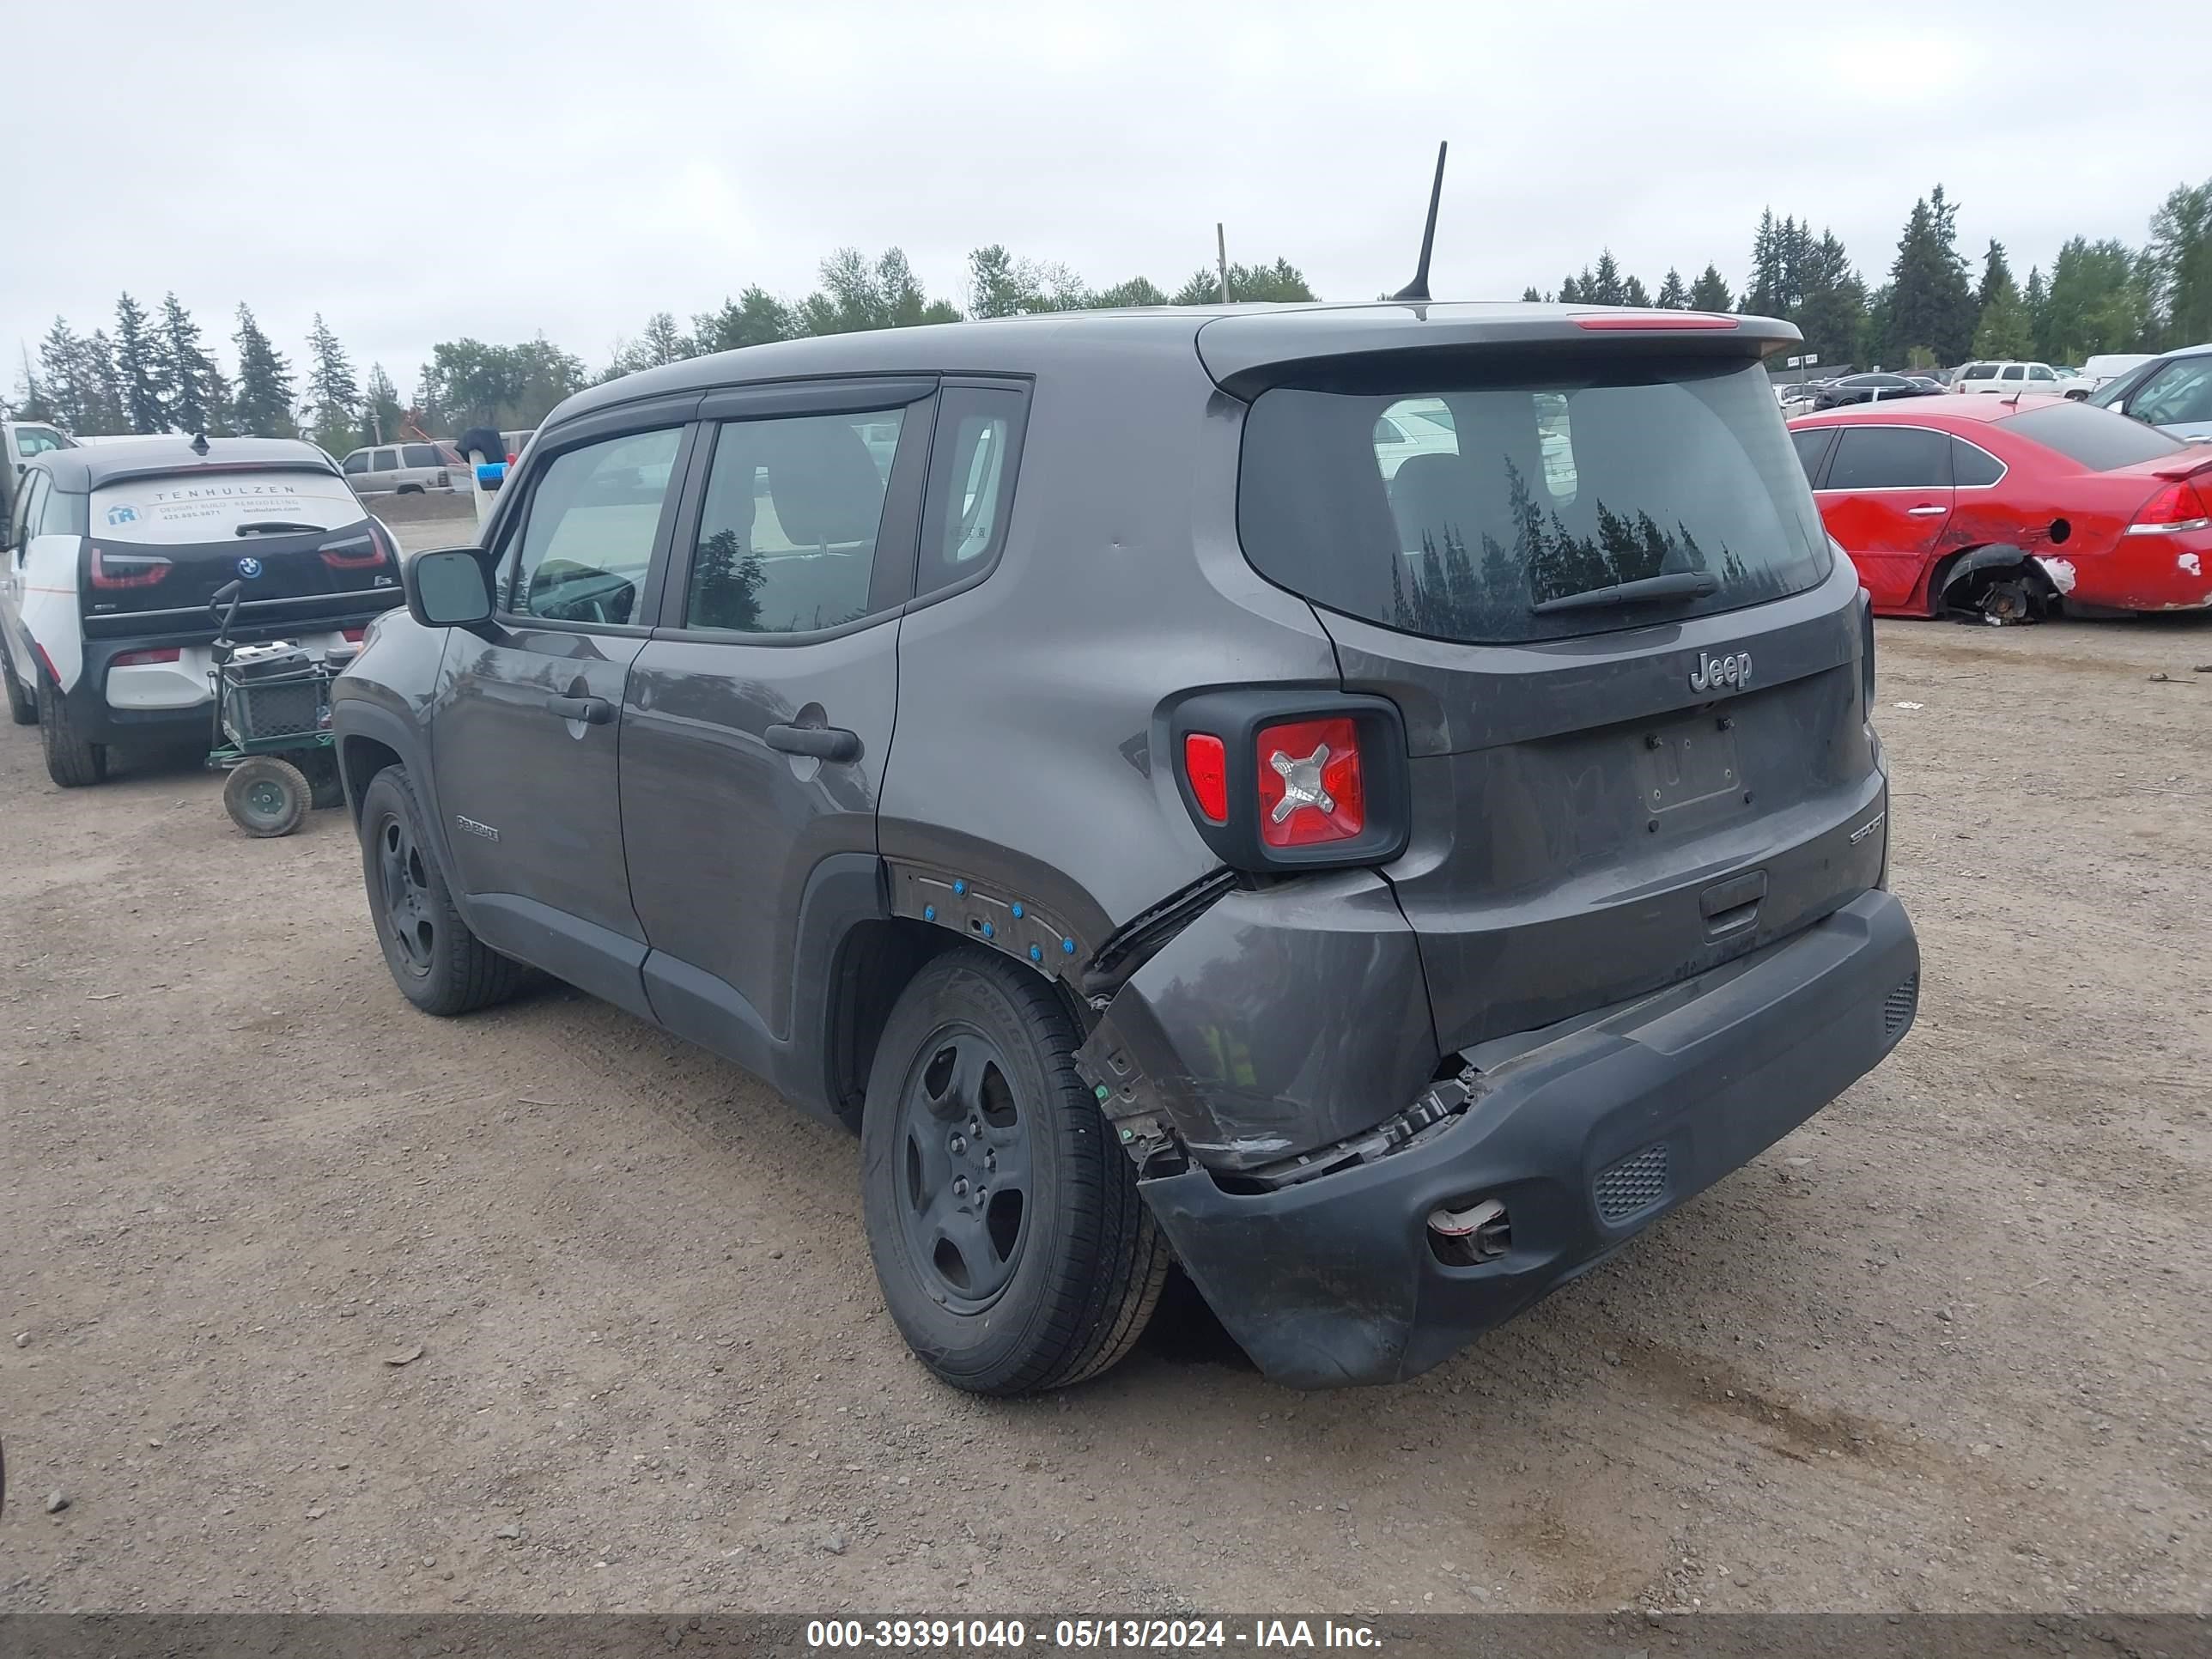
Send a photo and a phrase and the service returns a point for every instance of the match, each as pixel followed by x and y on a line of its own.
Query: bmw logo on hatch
pixel 249 568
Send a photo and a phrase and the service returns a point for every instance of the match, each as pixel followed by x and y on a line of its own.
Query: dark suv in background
pixel 1067 750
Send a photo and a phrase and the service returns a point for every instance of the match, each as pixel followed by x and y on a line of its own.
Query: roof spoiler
pixel 1347 346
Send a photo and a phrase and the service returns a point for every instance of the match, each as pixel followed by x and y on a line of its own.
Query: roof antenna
pixel 199 443
pixel 1418 289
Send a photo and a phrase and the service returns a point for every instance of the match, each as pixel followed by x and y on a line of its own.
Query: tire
pixel 1005 1297
pixel 71 762
pixel 437 963
pixel 266 796
pixel 22 705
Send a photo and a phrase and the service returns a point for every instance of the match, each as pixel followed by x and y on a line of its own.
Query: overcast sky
pixel 502 169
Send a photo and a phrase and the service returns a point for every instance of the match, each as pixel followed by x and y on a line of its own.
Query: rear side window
pixel 386 461
pixel 2012 372
pixel 1978 372
pixel 1812 447
pixel 66 512
pixel 971 483
pixel 788 531
pixel 418 455
pixel 587 539
pixel 1890 458
pixel 1973 467
pixel 1529 491
pixel 2096 438
pixel 213 507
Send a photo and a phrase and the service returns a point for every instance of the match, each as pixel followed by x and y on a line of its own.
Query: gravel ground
pixel 311 1302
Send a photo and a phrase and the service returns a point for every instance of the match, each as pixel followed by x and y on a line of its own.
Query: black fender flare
pixel 357 719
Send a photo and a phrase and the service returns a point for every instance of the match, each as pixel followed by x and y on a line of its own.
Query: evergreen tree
pixel 2181 265
pixel 333 401
pixel 381 416
pixel 662 342
pixel 2037 301
pixel 1603 286
pixel 1710 292
pixel 1673 295
pixel 1931 303
pixel 191 386
pixel 33 402
pixel 105 414
pixel 60 361
pixel 1571 293
pixel 1997 274
pixel 1632 293
pixel 1831 302
pixel 139 369
pixel 756 317
pixel 261 406
pixel 1530 296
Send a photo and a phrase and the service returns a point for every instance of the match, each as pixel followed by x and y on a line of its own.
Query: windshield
pixel 1514 495
pixel 211 506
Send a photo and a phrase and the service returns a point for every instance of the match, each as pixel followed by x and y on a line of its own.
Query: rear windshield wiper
pixel 271 527
pixel 1648 590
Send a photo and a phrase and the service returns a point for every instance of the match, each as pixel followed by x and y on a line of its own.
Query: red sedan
pixel 2012 507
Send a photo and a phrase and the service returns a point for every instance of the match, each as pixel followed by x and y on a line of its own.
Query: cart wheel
pixel 266 796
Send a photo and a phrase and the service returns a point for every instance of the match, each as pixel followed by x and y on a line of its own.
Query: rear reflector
pixel 1311 787
pixel 135 658
pixel 127 570
pixel 2176 508
pixel 1643 320
pixel 1205 763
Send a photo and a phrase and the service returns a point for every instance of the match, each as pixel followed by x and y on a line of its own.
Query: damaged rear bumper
pixel 1585 1133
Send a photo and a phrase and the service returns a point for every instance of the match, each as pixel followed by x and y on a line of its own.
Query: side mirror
pixel 449 588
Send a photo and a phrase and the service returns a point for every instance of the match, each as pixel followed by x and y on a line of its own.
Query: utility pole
pixel 1221 256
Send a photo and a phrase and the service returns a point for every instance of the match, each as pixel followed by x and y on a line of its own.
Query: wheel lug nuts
pixel 960 1188
pixel 959 1144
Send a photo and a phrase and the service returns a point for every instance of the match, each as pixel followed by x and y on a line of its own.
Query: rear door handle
pixel 592 711
pixel 1927 512
pixel 829 742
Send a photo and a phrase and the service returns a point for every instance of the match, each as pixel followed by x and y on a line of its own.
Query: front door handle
pixel 829 742
pixel 592 711
pixel 1927 512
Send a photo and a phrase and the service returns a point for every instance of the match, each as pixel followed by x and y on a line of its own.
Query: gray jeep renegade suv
pixel 1169 822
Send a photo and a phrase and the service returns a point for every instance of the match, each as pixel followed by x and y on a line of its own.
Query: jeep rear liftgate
pixel 1591 577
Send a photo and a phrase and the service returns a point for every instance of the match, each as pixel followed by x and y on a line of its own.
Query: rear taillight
pixel 127 570
pixel 363 552
pixel 136 658
pixel 444 479
pixel 2176 507
pixel 355 635
pixel 1276 778
pixel 1310 786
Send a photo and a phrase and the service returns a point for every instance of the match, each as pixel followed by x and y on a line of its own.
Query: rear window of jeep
pixel 1523 491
